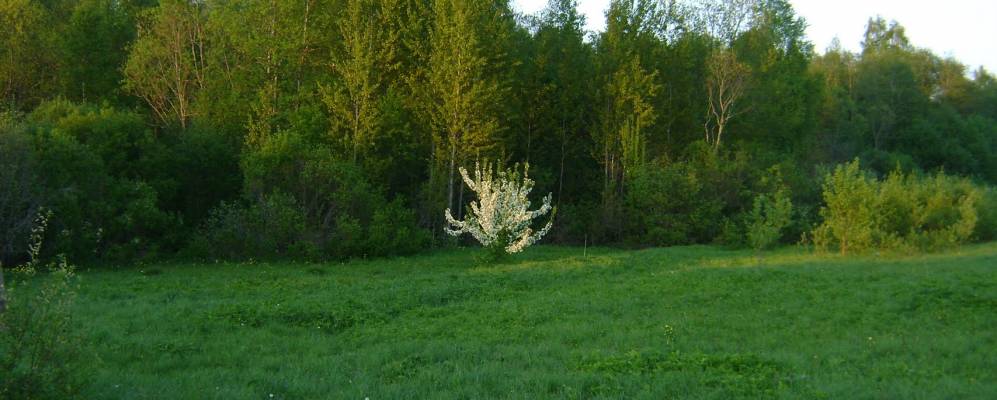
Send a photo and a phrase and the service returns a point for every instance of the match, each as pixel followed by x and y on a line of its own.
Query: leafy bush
pixel 986 225
pixel 271 227
pixel 669 203
pixel 848 210
pixel 93 165
pixel 39 344
pixel 20 196
pixel 344 213
pixel 667 206
pixel 770 215
pixel 198 170
pixel 276 227
pixel 903 211
pixel 40 347
pixel 393 231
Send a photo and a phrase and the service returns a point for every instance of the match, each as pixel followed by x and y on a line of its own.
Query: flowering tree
pixel 500 219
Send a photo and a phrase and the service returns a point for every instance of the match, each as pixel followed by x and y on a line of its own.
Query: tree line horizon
pixel 335 128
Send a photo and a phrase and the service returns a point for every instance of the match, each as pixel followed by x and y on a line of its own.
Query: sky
pixel 964 29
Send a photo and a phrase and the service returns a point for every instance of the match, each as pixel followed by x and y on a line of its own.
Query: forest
pixel 335 129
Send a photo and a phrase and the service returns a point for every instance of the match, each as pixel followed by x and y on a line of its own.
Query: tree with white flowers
pixel 500 218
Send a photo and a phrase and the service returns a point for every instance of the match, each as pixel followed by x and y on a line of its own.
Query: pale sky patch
pixel 963 29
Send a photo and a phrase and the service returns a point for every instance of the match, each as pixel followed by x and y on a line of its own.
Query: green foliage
pixel 277 227
pixel 393 231
pixel 95 42
pixel 323 207
pixel 271 227
pixel 685 202
pixel 901 212
pixel 986 210
pixel 20 197
pixel 94 164
pixel 175 106
pixel 41 346
pixel 29 54
pixel 770 215
pixel 198 170
pixel 669 205
pixel 848 210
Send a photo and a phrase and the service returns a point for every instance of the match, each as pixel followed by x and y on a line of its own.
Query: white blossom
pixel 501 215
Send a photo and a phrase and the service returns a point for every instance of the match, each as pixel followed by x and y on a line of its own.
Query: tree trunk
pixel 3 293
pixel 529 139
pixel 453 153
pixel 460 202
pixel 560 179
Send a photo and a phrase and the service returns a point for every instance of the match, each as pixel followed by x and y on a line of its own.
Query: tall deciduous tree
pixel 361 58
pixel 726 82
pixel 96 40
pixel 725 19
pixel 626 108
pixel 565 63
pixel 268 56
pixel 783 95
pixel 167 63
pixel 881 36
pixel 462 92
pixel 29 54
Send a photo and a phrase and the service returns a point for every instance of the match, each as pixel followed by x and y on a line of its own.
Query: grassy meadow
pixel 681 322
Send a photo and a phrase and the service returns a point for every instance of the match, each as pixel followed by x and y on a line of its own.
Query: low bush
pixel 986 225
pixel 666 206
pixel 20 196
pixel 92 168
pixel 270 227
pixel 276 227
pixel 343 213
pixel 901 212
pixel 668 203
pixel 41 350
pixel 770 215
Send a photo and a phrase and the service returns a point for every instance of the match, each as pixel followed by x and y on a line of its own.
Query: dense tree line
pixel 334 128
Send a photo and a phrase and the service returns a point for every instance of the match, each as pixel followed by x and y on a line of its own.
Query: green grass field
pixel 682 322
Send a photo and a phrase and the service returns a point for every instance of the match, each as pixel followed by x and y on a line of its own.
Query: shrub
pixel 93 168
pixel 849 210
pixel 344 213
pixel 271 227
pixel 668 205
pixel 20 197
pixel 770 215
pixel 198 170
pixel 393 231
pixel 501 217
pixel 986 209
pixel 40 346
pixel 903 211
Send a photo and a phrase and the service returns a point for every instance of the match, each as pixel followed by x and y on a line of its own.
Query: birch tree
pixel 166 66
pixel 726 81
